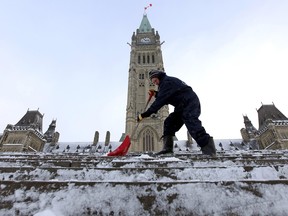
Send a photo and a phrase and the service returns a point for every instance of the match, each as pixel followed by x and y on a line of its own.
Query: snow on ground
pixel 204 193
pixel 199 198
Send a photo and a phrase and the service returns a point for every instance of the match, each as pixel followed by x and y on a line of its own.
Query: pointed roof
pixel 248 124
pixel 269 111
pixel 51 128
pixel 31 118
pixel 48 135
pixel 145 25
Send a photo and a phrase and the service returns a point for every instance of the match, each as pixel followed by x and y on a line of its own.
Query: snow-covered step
pixel 89 157
pixel 85 161
pixel 131 174
pixel 238 183
pixel 244 197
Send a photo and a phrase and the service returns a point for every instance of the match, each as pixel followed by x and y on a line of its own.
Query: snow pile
pixel 199 199
pixel 181 199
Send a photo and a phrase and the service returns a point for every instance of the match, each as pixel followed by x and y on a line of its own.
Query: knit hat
pixel 156 73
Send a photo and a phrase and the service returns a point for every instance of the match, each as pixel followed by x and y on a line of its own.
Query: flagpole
pixel 145 8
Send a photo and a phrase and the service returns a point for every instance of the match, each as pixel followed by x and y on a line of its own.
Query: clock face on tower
pixel 145 40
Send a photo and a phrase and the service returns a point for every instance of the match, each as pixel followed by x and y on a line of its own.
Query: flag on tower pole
pixel 145 8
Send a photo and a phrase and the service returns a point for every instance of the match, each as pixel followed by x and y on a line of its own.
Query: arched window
pixel 139 59
pixel 148 140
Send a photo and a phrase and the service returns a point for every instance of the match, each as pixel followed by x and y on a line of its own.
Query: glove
pixel 142 115
pixel 152 92
pixel 139 118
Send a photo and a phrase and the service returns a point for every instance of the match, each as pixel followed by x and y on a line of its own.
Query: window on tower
pixel 148 140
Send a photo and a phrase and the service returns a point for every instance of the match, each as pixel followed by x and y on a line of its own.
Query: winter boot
pixel 168 145
pixel 209 149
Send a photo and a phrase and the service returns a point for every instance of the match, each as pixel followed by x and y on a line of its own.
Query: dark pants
pixel 187 112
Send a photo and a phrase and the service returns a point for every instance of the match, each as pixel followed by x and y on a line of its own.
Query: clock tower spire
pixel 145 55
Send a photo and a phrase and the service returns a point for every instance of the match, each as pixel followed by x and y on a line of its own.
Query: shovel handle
pixel 149 99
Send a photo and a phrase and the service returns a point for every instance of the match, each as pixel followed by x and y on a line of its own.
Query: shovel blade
pixel 122 149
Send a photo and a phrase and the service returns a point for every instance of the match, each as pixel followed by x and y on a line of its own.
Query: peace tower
pixel 145 55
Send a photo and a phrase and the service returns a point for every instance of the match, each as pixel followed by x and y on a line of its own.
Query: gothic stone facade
pixel 27 134
pixel 145 55
pixel 272 132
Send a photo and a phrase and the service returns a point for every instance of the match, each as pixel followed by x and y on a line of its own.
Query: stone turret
pixel 249 132
pixel 51 135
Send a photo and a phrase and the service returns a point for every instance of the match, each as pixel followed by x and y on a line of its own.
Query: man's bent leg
pixel 167 145
pixel 209 149
pixel 171 125
pixel 197 131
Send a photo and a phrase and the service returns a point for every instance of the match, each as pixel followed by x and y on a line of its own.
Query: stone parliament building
pixel 27 135
pixel 272 132
pixel 145 54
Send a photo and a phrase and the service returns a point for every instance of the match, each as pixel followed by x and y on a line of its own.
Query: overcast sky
pixel 70 59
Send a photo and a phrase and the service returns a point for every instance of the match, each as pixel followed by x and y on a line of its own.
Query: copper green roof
pixel 145 25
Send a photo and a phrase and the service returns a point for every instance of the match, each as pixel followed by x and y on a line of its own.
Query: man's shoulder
pixel 171 79
pixel 167 78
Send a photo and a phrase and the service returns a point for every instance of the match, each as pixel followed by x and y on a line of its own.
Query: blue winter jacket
pixel 171 90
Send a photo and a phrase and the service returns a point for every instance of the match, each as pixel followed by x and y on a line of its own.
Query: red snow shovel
pixel 124 147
